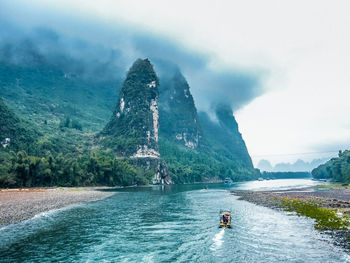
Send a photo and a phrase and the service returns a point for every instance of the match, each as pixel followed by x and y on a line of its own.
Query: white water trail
pixel 218 240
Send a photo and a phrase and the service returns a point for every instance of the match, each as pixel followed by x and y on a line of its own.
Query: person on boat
pixel 225 219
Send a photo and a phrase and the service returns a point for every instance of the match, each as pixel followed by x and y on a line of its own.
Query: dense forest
pixel 337 169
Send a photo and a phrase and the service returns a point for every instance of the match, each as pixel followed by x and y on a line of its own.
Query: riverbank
pixel 329 205
pixel 17 205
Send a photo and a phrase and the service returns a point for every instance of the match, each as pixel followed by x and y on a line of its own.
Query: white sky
pixel 303 45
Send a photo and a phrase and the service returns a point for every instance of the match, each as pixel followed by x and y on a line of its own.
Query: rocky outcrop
pixel 134 124
pixel 156 167
pixel 133 130
pixel 178 113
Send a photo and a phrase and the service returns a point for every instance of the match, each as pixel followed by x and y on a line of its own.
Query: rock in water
pixel 132 131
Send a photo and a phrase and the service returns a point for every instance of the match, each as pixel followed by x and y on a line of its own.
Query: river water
pixel 170 224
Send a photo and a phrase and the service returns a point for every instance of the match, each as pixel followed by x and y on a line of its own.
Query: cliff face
pixel 134 125
pixel 178 113
pixel 133 130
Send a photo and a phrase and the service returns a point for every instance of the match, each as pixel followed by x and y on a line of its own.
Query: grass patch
pixel 326 219
pixel 332 185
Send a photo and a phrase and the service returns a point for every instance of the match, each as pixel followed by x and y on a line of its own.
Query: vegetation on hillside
pixel 188 166
pixel 95 168
pixel 20 134
pixel 132 118
pixel 64 158
pixel 177 111
pixel 53 142
pixel 337 169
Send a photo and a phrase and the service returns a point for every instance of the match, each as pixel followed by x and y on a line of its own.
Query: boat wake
pixel 218 240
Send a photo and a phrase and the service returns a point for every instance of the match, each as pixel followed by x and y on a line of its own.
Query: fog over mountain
pixel 106 50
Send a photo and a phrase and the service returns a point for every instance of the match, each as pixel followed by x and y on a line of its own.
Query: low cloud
pixel 34 34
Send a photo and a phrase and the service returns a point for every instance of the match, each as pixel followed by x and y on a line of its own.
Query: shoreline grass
pixel 325 218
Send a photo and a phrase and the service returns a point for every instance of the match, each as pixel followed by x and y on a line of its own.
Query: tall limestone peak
pixel 133 128
pixel 178 114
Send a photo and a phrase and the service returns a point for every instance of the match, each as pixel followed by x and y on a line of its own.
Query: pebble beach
pixel 17 205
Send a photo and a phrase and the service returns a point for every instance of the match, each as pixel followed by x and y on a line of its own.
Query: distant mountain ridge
pixel 298 166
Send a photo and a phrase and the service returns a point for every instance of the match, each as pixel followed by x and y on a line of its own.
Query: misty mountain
pixel 223 135
pixel 133 130
pixel 54 80
pixel 177 111
pixel 135 127
pixel 298 166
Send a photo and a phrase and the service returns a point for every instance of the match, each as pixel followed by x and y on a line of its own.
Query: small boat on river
pixel 228 180
pixel 225 219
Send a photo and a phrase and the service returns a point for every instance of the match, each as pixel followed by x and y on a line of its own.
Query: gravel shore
pixel 334 198
pixel 338 198
pixel 20 204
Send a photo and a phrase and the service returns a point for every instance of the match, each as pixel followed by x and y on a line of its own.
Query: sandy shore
pixel 20 204
pixel 333 198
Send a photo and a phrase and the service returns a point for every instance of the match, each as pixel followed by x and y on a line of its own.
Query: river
pixel 176 223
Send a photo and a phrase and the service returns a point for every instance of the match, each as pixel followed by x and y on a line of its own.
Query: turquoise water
pixel 169 224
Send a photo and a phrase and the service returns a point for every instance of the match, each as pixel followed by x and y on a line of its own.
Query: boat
pixel 228 180
pixel 225 219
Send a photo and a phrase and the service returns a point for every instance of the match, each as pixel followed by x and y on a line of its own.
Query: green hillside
pixel 337 169
pixel 62 108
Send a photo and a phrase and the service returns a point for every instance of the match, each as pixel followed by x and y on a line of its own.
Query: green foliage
pixel 188 166
pixel 325 218
pixel 177 111
pixel 40 93
pixel 133 118
pixel 49 146
pixel 224 138
pixel 337 169
pixel 71 123
pixel 21 133
pixel 96 168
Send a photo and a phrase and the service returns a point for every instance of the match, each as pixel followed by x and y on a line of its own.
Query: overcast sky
pixel 301 48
